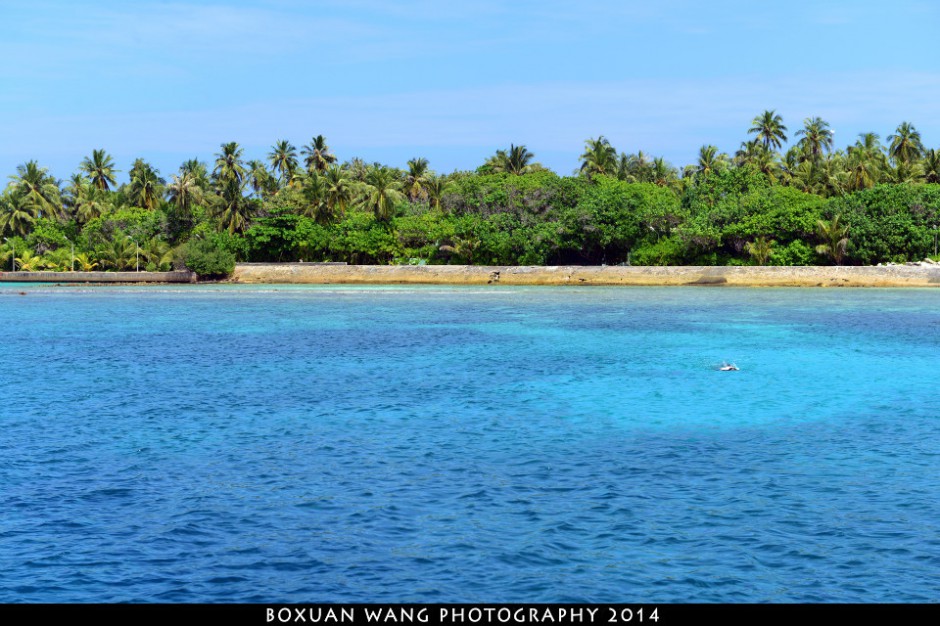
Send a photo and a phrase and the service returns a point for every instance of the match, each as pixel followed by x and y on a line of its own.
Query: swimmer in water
pixel 728 367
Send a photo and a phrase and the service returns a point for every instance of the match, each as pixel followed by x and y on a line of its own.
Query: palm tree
pixel 184 191
pixel 835 239
pixel 463 247
pixel 15 216
pixel 146 186
pixel 229 167
pixel 318 154
pixel 517 161
pixel 158 252
pixel 337 190
pixel 766 163
pixel 798 174
pixel 663 174
pixel 905 172
pixel 769 128
pixel 905 144
pixel 599 158
pixel 383 192
pixel 283 160
pixel 199 172
pixel 416 179
pixel 357 169
pixel 100 169
pixel 28 261
pixel 230 175
pixel 520 160
pixel 84 262
pixel 635 168
pixel 817 138
pixel 119 254
pixel 710 160
pixel 931 165
pixel 437 186
pixel 260 179
pixel 316 205
pixel 865 162
pixel 84 201
pixel 748 153
pixel 35 190
pixel 761 249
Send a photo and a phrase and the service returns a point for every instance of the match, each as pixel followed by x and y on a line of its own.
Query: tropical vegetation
pixel 770 202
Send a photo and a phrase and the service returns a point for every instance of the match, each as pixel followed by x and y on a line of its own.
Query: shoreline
pixel 646 276
pixel 125 278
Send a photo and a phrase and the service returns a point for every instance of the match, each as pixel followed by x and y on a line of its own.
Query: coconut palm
pixel 623 168
pixel 518 160
pixel 437 186
pixel 120 253
pixel 761 249
pixel 338 191
pixel 416 179
pixel 283 160
pixel 229 168
pixel 710 160
pixel 816 138
pixel 635 168
pixel 931 166
pixel 260 179
pixel 356 169
pixel 15 217
pixel 58 260
pixel 146 187
pixel 84 263
pixel 835 239
pixel 662 173
pixel 35 189
pixel 770 131
pixel 100 169
pixel 199 172
pixel 158 252
pixel 383 191
pixel 865 162
pixel 906 146
pixel 28 261
pixel 229 175
pixel 318 155
pixel 463 247
pixel 905 172
pixel 184 191
pixel 313 193
pixel 599 158
pixel 83 200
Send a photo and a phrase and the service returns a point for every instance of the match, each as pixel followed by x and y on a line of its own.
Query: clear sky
pixel 452 81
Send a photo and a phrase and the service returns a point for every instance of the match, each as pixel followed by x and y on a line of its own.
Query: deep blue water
pixel 263 444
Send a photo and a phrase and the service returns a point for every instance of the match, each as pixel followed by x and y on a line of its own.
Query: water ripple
pixel 359 444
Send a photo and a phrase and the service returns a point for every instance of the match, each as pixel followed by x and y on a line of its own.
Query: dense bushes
pixel 208 259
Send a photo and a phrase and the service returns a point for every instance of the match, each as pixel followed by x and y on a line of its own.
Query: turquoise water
pixel 262 444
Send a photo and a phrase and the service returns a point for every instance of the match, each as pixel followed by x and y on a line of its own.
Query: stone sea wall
pixel 803 276
pixel 97 277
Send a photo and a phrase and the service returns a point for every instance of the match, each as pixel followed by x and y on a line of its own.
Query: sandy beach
pixel 799 276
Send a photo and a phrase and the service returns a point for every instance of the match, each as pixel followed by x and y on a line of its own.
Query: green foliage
pixel 274 237
pixel 207 259
pixel 141 224
pixel 767 204
pixel 47 234
pixel 889 222
pixel 796 252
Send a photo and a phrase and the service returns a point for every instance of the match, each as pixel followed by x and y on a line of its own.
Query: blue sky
pixel 451 81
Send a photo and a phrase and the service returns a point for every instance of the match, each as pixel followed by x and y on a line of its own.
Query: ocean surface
pixel 351 444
